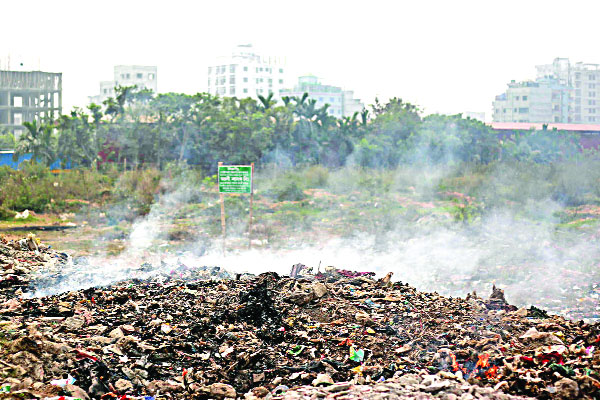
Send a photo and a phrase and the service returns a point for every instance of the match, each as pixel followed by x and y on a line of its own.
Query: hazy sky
pixel 444 55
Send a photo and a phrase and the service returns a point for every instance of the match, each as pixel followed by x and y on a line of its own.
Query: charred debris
pixel 198 333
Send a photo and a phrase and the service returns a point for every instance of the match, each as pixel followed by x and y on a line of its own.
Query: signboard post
pixel 251 205
pixel 236 179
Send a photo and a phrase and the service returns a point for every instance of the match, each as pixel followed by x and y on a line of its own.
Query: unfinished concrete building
pixel 28 95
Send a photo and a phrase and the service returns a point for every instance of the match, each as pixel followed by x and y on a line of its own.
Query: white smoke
pixel 526 257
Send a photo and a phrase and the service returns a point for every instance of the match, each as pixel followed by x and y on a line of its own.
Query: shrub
pixel 316 176
pixel 5 214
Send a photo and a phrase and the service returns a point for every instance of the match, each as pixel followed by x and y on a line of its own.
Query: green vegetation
pixel 367 172
pixel 137 130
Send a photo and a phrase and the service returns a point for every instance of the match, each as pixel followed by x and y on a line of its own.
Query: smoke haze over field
pixel 517 249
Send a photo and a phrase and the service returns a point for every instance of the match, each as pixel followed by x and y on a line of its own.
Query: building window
pixel 592 119
pixel 577 75
pixel 232 90
pixel 331 99
pixel 281 70
pixel 515 110
pixel 208 81
pixel 591 102
pixel 209 71
pixel 281 81
pixel 517 98
pixel 245 79
pixel 592 111
pixel 592 94
pixel 17 101
pixel 139 76
pixel 523 110
pixel 232 69
pixel 592 86
pixel 245 90
pixel 524 98
pixel 245 69
pixel 231 78
pixel 577 84
pixel 127 76
pixel 592 77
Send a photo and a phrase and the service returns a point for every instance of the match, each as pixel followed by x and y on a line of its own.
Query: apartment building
pixel 563 92
pixel 127 75
pixel 586 84
pixel 341 102
pixel 246 73
pixel 544 100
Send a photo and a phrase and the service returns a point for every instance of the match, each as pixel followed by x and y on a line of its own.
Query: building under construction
pixel 28 95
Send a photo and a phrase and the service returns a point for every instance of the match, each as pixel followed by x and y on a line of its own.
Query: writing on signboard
pixel 235 179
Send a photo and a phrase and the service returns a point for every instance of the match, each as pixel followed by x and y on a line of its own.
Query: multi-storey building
pixel 341 102
pixel 127 75
pixel 571 90
pixel 585 80
pixel 246 74
pixel 586 101
pixel 543 100
pixel 560 69
pixel 26 96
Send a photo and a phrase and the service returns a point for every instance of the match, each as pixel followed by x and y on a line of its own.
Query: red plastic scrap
pixel 551 357
pixel 84 354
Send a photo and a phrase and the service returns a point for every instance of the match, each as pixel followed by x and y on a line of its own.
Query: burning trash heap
pixel 190 334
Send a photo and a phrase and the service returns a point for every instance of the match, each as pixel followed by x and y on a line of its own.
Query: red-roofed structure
pixel 589 134
pixel 525 126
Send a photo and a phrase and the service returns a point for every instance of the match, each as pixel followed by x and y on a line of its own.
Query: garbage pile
pixel 332 334
pixel 19 260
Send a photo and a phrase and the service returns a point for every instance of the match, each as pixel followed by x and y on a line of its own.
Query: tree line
pixel 137 129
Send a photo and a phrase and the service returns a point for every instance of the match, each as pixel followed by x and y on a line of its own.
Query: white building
pixel 127 75
pixel 246 74
pixel 544 101
pixel 584 79
pixel 563 92
pixel 341 102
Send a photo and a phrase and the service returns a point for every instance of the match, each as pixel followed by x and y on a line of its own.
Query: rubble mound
pixel 335 334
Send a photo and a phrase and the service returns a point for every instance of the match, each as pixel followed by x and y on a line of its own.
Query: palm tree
pixel 268 101
pixel 39 140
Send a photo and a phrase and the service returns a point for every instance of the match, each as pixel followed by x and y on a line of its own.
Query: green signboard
pixel 235 179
